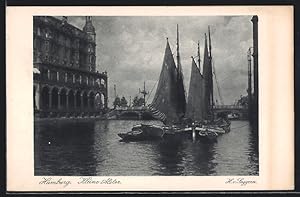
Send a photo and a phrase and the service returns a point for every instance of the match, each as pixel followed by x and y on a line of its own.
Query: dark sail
pixel 208 83
pixel 195 104
pixel 164 105
pixel 181 101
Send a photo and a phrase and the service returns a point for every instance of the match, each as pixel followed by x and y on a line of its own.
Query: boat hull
pixel 145 132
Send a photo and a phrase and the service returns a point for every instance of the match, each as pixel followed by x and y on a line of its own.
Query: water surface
pixel 92 148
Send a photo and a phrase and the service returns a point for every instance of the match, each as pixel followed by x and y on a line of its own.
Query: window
pixel 66 77
pixel 48 74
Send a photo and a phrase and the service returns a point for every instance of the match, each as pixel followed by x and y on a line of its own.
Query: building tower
pixel 89 28
pixel 91 48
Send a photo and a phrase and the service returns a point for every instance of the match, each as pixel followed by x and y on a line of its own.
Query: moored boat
pixel 169 103
pixel 143 132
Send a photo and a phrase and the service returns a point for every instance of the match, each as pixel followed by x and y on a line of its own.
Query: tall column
pixel 81 101
pixel 58 100
pixel 75 100
pixel 255 67
pixel 255 54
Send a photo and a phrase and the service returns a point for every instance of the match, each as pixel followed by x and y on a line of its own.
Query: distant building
pixel 66 82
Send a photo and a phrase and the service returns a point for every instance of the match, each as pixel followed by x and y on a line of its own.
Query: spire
pixel 89 28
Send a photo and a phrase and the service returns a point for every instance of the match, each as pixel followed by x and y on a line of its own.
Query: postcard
pixel 162 98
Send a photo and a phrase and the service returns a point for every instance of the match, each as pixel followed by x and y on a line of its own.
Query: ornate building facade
pixel 66 83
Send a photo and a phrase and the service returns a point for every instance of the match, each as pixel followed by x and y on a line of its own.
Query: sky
pixel 131 50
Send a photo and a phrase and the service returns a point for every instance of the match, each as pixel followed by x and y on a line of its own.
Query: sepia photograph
pixel 145 95
pixel 149 98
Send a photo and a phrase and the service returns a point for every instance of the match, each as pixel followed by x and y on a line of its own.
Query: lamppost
pixel 249 55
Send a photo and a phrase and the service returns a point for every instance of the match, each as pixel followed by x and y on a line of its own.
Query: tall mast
pixel 144 93
pixel 210 62
pixel 199 59
pixel 209 41
pixel 115 91
pixel 177 56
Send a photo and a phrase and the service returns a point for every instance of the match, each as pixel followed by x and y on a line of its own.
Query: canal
pixel 92 148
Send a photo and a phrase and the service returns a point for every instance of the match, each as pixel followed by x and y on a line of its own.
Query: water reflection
pixel 92 148
pixel 170 158
pixel 64 148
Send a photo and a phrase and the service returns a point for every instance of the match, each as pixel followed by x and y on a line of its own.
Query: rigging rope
pixel 151 91
pixel 219 91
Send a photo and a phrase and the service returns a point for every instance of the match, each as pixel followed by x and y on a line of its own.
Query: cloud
pixel 131 49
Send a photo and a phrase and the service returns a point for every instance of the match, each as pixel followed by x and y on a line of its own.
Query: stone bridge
pixel 131 113
pixel 142 113
pixel 241 111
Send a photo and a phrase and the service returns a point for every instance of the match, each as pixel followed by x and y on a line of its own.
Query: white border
pixel 276 140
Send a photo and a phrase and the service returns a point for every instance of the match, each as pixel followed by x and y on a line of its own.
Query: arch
pixel 97 102
pixel 45 97
pixel 71 99
pixel 92 81
pixel 85 99
pixel 97 81
pixel 54 97
pixel 78 99
pixel 91 99
pixel 102 81
pixel 63 98
pixel 102 100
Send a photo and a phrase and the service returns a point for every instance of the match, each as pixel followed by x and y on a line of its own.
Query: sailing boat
pixel 169 103
pixel 212 122
pixel 200 103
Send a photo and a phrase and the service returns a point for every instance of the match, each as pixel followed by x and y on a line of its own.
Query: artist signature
pixel 240 181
